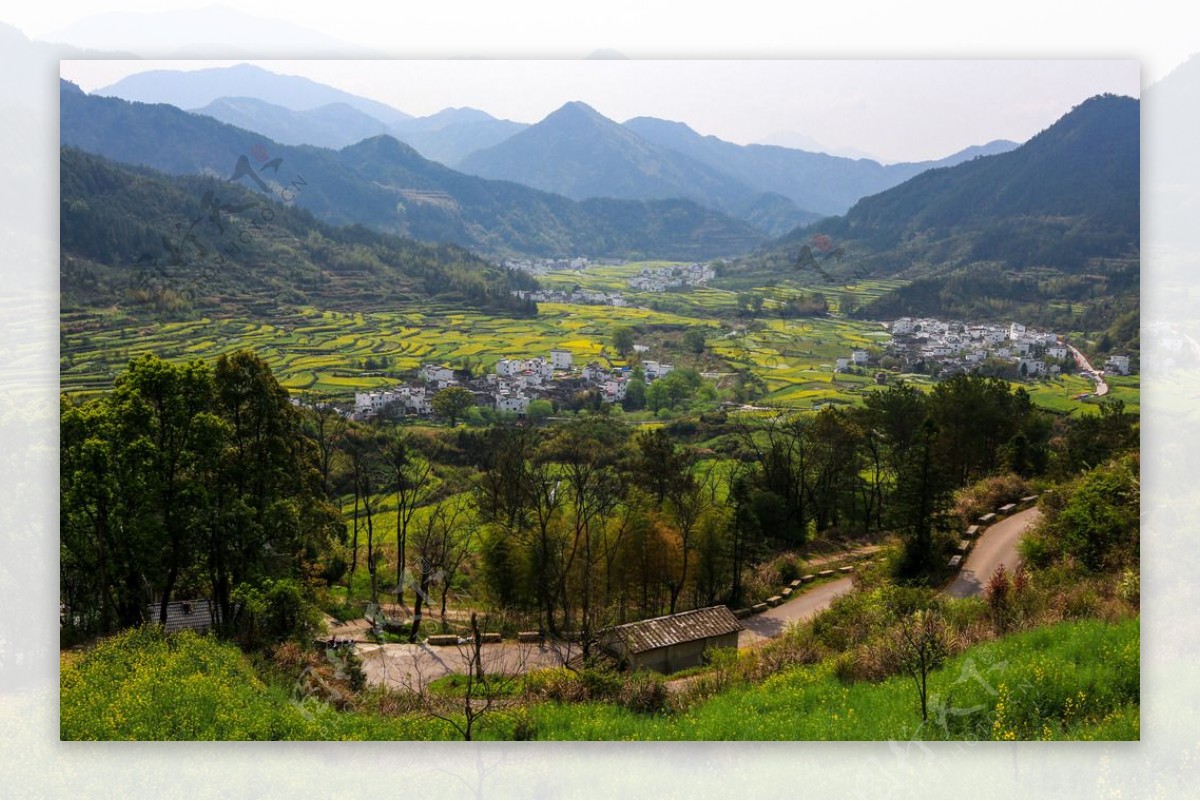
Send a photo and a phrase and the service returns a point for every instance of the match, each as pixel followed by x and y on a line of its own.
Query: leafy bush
pixel 988 495
pixel 273 611
pixel 643 692
pixel 1093 522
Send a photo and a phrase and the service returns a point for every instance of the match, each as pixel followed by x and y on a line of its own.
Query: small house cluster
pixel 511 385
pixel 956 347
pixel 858 358
pixel 663 278
pixel 583 297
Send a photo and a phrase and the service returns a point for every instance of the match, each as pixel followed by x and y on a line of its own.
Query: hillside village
pixel 511 386
pixel 663 278
pixel 933 346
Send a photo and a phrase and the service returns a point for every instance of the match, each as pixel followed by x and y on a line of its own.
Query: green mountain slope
pixel 1048 232
pixel 141 241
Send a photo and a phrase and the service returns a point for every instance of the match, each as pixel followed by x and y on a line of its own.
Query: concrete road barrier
pixel 529 636
pixel 443 639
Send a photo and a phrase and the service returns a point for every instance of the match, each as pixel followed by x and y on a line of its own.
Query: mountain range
pixel 578 152
pixel 385 184
pixel 1043 227
pixel 297 111
pixel 574 151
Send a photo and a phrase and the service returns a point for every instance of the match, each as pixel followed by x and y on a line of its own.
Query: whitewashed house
pixel 560 359
pixel 1117 364
pixel 437 374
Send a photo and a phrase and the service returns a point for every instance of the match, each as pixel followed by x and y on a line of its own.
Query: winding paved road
pixel 1086 367
pixel 997 546
pixel 773 622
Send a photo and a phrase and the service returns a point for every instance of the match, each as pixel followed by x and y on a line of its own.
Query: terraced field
pixel 327 352
pixel 796 358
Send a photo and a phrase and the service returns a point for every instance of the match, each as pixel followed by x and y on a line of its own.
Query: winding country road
pixel 773 622
pixel 1086 367
pixel 997 546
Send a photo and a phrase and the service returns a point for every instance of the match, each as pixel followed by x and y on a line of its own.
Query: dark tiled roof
pixel 660 632
pixel 194 615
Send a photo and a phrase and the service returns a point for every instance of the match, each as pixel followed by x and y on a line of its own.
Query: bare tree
pixel 491 674
pixel 920 643
pixel 442 542
pixel 325 425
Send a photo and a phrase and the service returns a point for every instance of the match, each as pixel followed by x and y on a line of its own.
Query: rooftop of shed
pixel 660 632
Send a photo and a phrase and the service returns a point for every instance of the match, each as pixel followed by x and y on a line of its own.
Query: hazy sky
pixel 895 110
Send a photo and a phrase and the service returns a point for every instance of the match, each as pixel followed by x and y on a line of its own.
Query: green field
pixel 323 351
pixel 326 352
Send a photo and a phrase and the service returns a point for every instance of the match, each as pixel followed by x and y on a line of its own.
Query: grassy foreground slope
pixel 1077 681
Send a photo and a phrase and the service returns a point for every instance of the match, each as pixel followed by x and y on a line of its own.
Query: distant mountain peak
pixel 577 109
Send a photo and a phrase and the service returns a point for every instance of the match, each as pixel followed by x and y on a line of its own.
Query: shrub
pixel 987 495
pixel 273 611
pixel 643 692
pixel 1093 521
pixel 1129 587
pixel 787 567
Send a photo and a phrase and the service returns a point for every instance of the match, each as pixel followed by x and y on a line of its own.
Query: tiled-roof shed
pixel 673 642
pixel 194 615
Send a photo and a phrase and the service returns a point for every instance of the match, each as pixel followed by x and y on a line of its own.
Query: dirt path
pixel 401 666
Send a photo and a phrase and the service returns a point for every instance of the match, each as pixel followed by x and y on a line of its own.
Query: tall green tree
pixel 452 403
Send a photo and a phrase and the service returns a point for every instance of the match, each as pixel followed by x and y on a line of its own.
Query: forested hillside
pixel 141 240
pixel 1048 232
